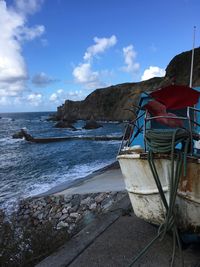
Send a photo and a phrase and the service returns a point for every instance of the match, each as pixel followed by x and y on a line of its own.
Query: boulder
pixel 18 135
pixel 91 124
pixel 65 124
pixel 22 134
pixel 61 225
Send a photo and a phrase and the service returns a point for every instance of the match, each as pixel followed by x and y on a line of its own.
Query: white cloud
pixel 42 79
pixel 13 29
pixel 75 93
pixel 129 57
pixel 152 71
pixel 101 45
pixel 35 99
pixel 60 91
pixel 53 97
pixel 18 100
pixel 29 34
pixel 4 101
pixel 12 66
pixel 83 73
pixel 26 7
pixel 60 95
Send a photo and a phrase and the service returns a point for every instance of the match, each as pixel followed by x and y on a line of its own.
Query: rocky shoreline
pixel 71 211
pixel 43 223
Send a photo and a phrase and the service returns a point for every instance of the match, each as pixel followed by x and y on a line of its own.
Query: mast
pixel 192 61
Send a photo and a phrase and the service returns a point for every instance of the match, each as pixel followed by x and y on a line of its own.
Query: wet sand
pixel 106 179
pixel 110 180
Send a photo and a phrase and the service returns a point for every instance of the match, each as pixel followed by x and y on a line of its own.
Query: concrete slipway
pixel 114 238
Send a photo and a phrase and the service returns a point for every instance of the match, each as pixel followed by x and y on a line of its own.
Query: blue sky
pixel 52 50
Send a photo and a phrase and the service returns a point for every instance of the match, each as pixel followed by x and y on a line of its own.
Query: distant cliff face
pixel 107 104
pixel 111 103
pixel 179 67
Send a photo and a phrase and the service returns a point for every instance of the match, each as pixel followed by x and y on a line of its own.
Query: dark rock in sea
pixel 91 124
pixel 52 118
pixel 18 135
pixel 113 103
pixel 27 136
pixel 69 120
pixel 65 124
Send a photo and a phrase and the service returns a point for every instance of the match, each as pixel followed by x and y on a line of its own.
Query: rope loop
pixel 159 141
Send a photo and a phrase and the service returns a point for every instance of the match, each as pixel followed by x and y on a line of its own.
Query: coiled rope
pixel 165 142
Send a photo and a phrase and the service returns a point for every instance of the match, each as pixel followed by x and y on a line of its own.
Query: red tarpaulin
pixel 157 109
pixel 176 96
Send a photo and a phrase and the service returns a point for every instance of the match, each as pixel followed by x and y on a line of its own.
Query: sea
pixel 28 169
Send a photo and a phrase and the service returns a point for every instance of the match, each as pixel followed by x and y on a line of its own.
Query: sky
pixel 53 50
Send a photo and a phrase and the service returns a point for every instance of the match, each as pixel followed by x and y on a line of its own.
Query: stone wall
pixel 69 211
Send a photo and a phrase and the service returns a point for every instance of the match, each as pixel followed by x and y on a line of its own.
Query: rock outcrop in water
pixel 112 103
pixel 18 135
pixel 65 124
pixel 91 124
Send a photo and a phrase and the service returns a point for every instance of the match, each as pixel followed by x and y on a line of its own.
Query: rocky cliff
pixel 111 103
pixel 179 67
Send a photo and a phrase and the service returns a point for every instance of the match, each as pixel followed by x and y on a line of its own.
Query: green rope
pixel 166 142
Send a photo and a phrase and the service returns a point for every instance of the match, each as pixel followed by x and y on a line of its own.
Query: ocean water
pixel 28 169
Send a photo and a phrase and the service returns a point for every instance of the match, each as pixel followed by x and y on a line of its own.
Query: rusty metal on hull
pixel 144 194
pixel 189 186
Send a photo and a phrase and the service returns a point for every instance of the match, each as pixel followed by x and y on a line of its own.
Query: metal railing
pixel 134 125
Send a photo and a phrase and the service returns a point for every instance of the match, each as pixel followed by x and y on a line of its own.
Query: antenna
pixel 192 61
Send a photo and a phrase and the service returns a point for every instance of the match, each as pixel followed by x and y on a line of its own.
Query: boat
pixel 160 159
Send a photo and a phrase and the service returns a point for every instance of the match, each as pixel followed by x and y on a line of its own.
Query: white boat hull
pixel 145 197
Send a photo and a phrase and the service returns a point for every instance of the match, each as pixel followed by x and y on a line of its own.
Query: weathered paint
pixel 144 194
pixel 190 185
pixel 188 215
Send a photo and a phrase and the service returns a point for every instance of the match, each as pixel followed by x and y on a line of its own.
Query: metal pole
pixel 191 71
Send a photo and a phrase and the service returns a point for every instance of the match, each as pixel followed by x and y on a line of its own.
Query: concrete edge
pixel 66 254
